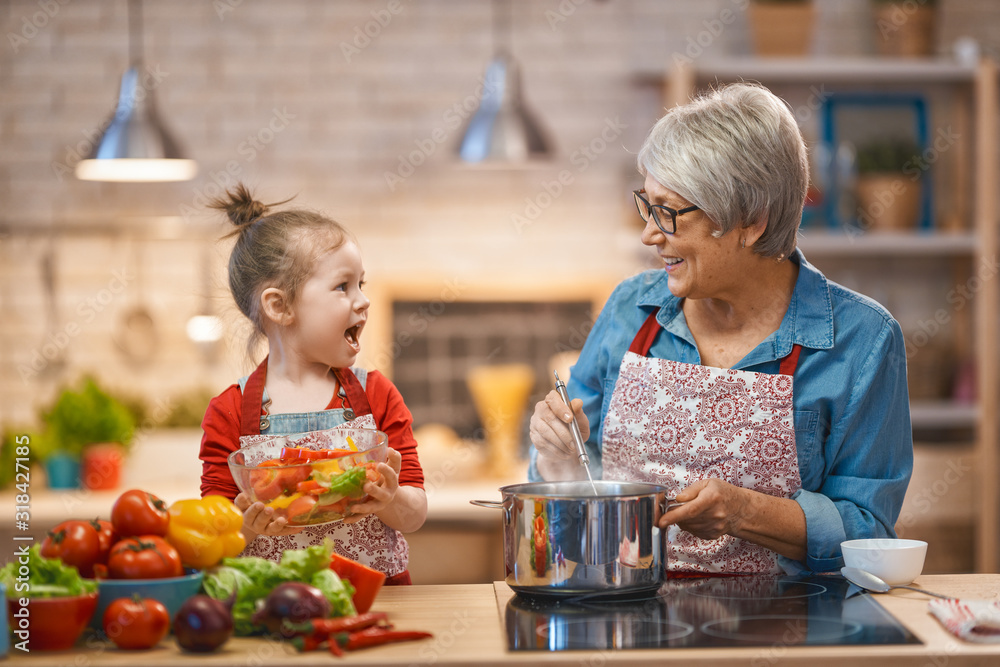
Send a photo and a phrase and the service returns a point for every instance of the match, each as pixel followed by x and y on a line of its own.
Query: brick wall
pixel 270 92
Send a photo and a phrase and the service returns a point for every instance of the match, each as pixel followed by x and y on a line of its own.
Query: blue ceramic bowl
pixel 171 591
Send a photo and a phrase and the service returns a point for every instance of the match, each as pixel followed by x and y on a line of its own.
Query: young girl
pixel 298 277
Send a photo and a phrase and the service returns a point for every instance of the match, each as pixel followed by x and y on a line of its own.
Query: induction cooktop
pixel 750 610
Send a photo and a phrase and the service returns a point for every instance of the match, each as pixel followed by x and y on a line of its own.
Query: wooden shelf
pixel 815 243
pixel 978 103
pixel 854 71
pixel 943 414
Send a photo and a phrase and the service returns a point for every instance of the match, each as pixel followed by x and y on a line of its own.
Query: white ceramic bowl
pixel 895 561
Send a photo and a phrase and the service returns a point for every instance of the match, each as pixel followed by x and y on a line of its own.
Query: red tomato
pixel 366 581
pixel 75 543
pixel 106 533
pixel 300 508
pixel 136 623
pixel 139 513
pixel 144 557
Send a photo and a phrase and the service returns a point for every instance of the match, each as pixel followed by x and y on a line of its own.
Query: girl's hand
pixel 712 508
pixel 382 492
pixel 549 431
pixel 258 519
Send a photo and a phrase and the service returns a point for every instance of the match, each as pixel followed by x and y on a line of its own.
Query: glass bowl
pixel 309 478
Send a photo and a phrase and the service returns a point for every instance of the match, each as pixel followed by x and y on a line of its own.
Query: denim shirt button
pixel 348 414
pixel 264 423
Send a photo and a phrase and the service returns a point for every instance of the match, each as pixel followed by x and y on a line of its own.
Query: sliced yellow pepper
pixel 205 530
pixel 281 502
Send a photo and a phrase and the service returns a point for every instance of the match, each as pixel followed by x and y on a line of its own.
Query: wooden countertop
pixel 467 627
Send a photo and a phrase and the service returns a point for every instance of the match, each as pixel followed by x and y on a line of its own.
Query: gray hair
pixel 737 153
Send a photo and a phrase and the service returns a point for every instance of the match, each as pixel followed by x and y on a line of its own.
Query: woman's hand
pixel 258 519
pixel 549 430
pixel 712 508
pixel 382 492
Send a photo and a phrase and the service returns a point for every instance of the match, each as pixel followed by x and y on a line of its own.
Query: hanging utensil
pixel 136 334
pixel 56 363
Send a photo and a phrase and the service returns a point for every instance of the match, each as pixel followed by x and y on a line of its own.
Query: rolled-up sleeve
pixel 869 458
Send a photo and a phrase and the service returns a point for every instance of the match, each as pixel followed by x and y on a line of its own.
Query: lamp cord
pixel 135 46
pixel 502 26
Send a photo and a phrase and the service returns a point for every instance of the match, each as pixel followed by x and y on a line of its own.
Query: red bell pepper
pixel 366 581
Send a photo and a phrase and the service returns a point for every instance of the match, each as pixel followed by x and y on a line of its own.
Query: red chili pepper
pixel 335 649
pixel 324 627
pixel 375 636
pixel 307 642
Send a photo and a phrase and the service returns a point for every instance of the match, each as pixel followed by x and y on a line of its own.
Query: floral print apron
pixel 674 424
pixel 368 541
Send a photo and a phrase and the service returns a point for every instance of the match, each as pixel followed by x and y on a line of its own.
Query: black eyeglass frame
pixel 650 212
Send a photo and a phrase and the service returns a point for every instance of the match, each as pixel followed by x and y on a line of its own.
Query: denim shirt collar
pixel 808 321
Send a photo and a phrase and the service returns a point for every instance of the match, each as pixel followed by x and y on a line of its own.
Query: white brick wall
pixel 352 122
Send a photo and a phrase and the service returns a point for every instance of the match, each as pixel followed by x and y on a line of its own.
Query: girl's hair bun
pixel 240 206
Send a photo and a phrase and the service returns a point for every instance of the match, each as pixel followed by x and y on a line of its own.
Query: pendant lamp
pixel 136 146
pixel 503 131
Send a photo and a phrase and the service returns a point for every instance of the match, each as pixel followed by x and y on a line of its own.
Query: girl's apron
pixel 368 541
pixel 674 424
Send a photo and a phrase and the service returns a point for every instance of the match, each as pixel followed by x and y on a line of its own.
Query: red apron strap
pixel 789 363
pixel 647 334
pixel 253 396
pixel 357 399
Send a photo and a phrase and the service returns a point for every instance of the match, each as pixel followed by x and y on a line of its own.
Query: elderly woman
pixel 770 400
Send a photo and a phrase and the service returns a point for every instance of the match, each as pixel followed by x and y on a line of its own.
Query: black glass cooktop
pixel 707 612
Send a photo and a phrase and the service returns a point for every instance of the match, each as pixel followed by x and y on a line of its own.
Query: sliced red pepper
pixel 310 486
pixel 308 455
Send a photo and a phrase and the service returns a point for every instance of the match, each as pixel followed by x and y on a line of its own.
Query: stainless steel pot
pixel 561 539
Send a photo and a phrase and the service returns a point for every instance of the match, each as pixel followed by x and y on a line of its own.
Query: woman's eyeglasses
pixel 664 216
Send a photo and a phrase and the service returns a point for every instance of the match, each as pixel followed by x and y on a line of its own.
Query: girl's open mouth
pixel 353 334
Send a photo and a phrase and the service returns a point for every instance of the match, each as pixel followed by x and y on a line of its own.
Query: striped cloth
pixel 971 620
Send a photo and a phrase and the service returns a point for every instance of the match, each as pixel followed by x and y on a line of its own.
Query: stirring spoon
pixel 581 450
pixel 870 582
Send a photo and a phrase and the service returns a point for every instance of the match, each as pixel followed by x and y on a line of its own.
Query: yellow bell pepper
pixel 206 530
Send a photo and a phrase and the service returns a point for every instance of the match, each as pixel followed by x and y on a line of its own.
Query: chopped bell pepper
pixel 206 530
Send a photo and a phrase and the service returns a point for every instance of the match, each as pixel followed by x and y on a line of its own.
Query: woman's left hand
pixel 712 508
pixel 380 492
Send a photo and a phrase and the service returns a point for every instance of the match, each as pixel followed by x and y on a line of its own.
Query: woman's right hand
pixel 258 519
pixel 550 432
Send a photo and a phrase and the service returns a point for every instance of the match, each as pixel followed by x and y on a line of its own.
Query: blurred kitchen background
pixel 357 109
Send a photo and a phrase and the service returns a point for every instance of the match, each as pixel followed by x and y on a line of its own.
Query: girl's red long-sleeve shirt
pixel 221 427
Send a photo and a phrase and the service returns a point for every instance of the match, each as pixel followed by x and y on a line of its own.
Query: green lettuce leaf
pixel 253 578
pixel 46 577
pixel 338 591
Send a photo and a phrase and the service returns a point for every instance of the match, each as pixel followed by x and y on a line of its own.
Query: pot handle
pixel 491 504
pixel 671 503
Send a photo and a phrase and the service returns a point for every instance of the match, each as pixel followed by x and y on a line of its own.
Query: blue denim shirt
pixel 852 414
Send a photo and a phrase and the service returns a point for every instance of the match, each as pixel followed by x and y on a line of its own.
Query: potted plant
pixel 90 428
pixel 888 184
pixel 904 28
pixel 782 27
